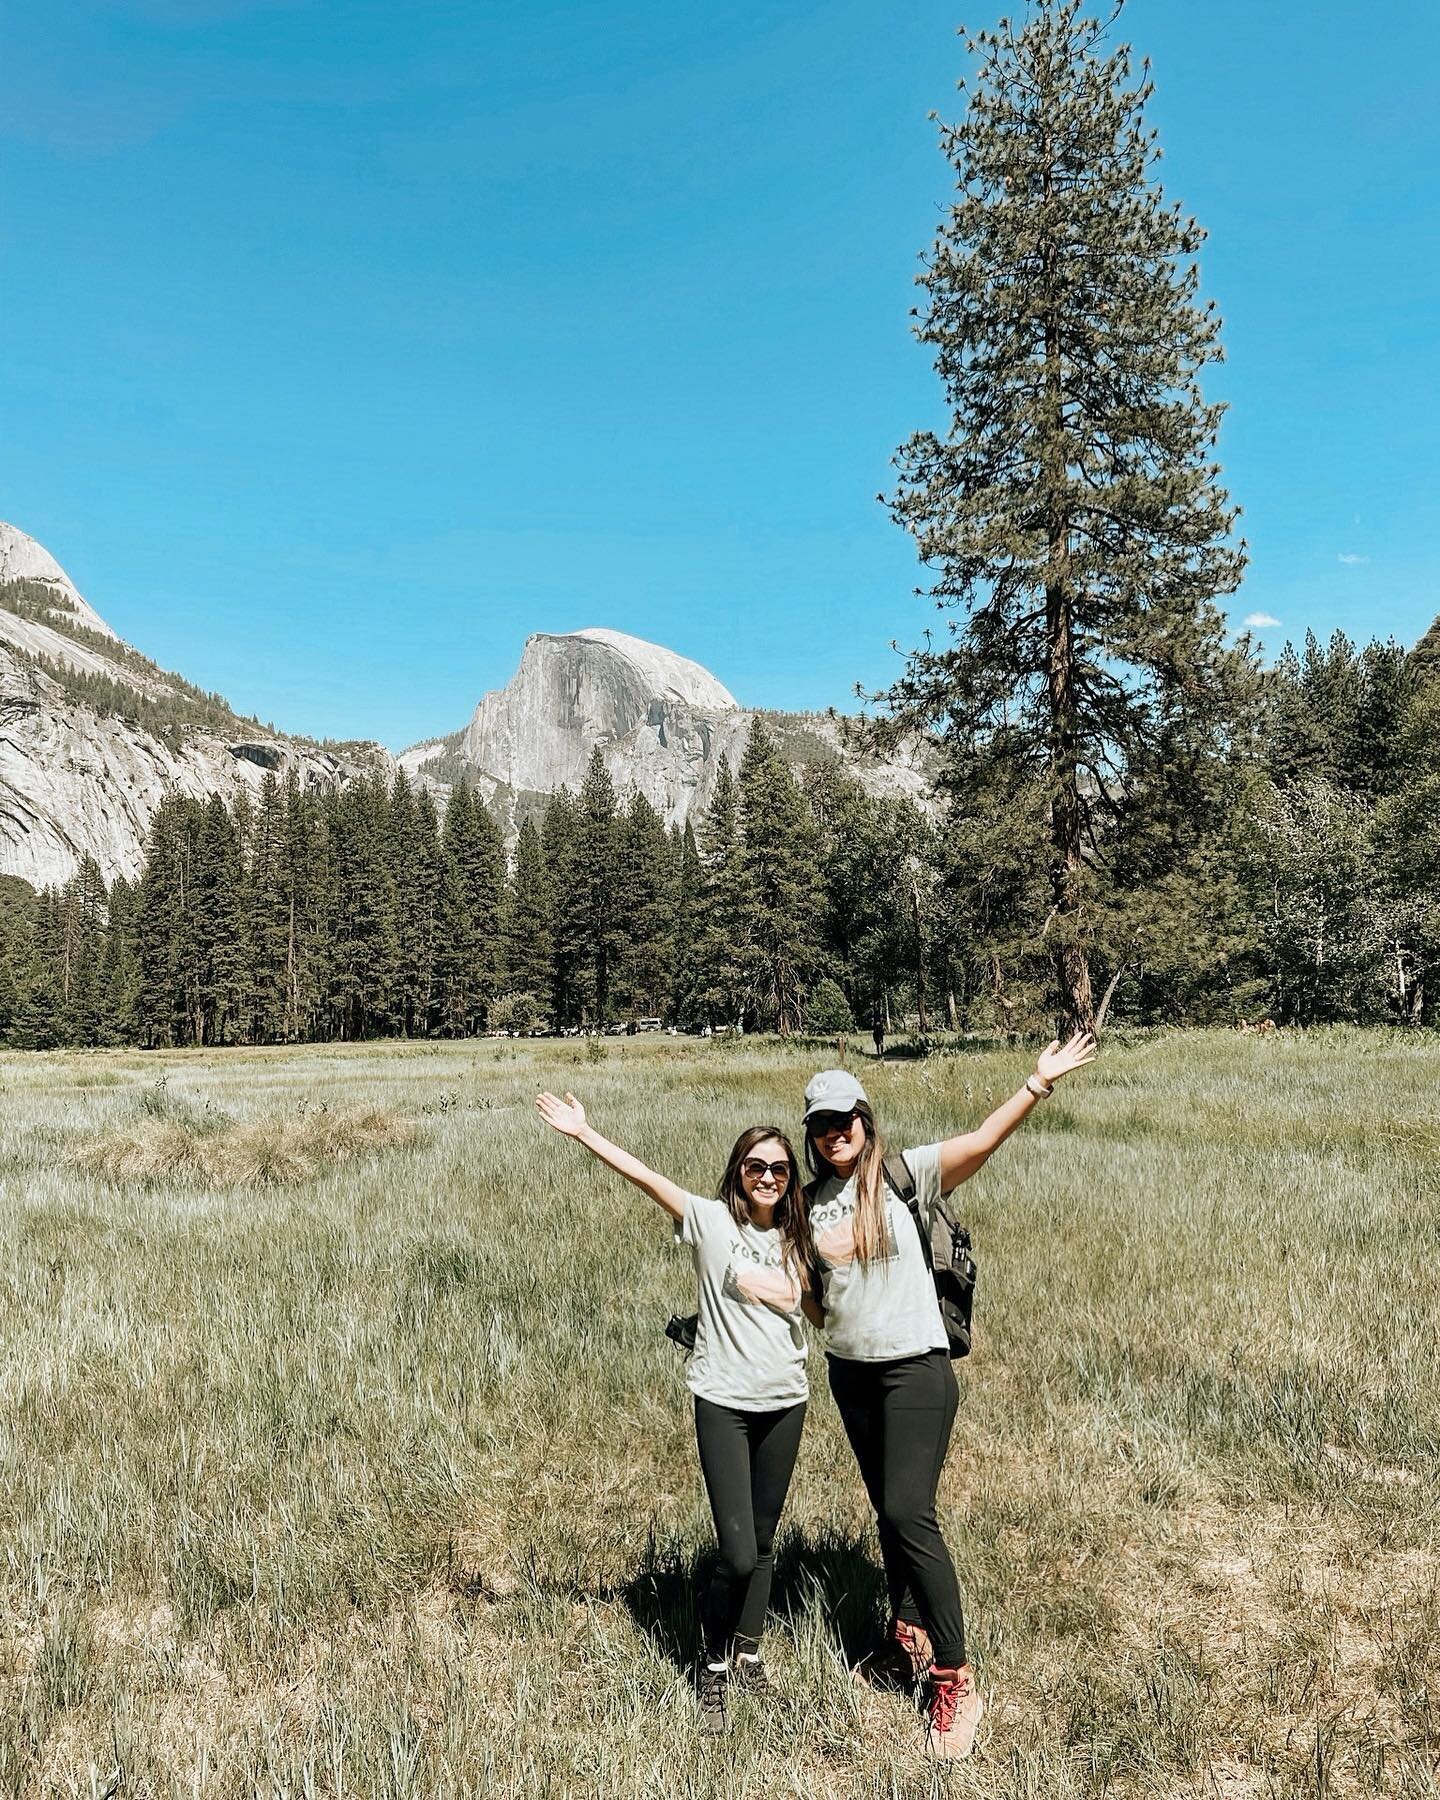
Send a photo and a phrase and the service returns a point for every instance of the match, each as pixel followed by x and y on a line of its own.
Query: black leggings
pixel 898 1416
pixel 747 1459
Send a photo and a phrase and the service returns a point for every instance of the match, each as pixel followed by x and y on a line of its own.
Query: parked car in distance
pixel 651 1024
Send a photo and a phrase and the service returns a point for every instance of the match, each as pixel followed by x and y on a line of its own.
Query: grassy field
pixel 343 1454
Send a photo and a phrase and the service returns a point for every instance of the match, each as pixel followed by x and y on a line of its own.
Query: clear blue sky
pixel 346 344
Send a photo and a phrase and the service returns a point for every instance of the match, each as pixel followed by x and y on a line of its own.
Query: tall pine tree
pixel 723 982
pixel 473 840
pixel 307 877
pixel 1072 511
pixel 687 925
pixel 266 915
pixel 564 878
pixel 598 909
pixel 526 919
pixel 777 887
pixel 364 946
pixel 645 873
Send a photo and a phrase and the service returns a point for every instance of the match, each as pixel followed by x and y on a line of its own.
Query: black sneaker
pixel 712 1690
pixel 749 1674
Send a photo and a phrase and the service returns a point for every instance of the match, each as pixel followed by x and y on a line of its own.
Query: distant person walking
pixel 754 1262
pixel 888 1357
pixel 877 1026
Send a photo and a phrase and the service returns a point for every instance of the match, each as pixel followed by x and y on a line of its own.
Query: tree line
pixel 358 911
pixel 1308 889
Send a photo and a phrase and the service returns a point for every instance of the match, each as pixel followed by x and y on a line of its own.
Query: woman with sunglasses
pixel 754 1261
pixel 889 1362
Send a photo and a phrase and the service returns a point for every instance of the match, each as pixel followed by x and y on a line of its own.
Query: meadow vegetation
pixel 343 1452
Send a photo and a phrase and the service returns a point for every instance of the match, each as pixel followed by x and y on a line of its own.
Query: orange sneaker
pixel 901 1660
pixel 914 1642
pixel 953 1714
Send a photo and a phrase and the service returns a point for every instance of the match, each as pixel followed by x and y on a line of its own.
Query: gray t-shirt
pixel 886 1308
pixel 749 1347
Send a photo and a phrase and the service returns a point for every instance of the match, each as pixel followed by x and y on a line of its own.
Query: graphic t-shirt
pixel 886 1308
pixel 749 1346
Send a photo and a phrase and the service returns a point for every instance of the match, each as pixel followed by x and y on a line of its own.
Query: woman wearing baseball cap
pixel 888 1357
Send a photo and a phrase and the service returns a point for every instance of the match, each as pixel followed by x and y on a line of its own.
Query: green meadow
pixel 343 1452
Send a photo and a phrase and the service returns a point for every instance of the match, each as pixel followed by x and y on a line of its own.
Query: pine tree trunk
pixel 1072 967
pixel 292 977
pixel 1072 970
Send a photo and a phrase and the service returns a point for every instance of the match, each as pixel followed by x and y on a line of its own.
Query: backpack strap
pixel 902 1183
pixel 897 1173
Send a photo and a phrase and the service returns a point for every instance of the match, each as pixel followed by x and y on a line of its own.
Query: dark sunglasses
pixel 755 1169
pixel 823 1123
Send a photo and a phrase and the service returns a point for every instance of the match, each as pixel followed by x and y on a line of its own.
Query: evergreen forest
pixel 1309 892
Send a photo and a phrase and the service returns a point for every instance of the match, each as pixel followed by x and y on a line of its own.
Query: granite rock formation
pixel 92 736
pixel 661 723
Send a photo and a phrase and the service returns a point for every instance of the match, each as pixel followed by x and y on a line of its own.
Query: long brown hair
pixel 871 1236
pixel 792 1214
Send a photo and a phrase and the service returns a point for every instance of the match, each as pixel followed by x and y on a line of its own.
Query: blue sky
pixel 346 344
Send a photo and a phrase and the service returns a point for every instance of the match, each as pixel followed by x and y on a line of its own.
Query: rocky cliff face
pixel 23 560
pixel 92 736
pixel 661 723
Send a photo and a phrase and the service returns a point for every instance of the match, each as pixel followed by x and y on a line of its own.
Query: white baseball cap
pixel 833 1090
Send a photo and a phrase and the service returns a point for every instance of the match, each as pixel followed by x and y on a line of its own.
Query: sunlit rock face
pixel 659 720
pixel 77 779
pixel 22 559
pixel 661 723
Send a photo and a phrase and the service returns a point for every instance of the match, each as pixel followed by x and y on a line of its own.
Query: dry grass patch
pixel 382 1483
pixel 219 1151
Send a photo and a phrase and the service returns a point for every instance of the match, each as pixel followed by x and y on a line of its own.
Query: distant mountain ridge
pixel 661 723
pixel 93 735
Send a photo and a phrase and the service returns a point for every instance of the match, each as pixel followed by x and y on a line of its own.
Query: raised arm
pixel 568 1117
pixel 961 1156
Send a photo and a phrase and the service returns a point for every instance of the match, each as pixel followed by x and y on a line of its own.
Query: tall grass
pixel 341 1451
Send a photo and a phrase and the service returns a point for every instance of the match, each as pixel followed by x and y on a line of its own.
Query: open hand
pixel 566 1115
pixel 1059 1059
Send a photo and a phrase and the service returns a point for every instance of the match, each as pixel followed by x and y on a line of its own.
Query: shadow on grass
pixel 829 1574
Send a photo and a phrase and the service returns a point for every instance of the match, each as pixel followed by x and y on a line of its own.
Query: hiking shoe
pixel 711 1687
pixel 902 1660
pixel 749 1674
pixel 953 1713
pixel 913 1643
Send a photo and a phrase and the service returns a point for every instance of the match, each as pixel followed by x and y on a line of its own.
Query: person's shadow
pixel 829 1572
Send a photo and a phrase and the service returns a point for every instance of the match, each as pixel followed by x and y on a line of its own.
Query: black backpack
pixel 946 1248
